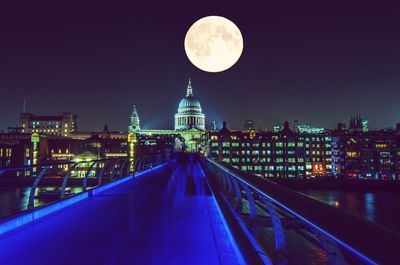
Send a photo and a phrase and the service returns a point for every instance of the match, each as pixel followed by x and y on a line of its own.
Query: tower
pixel 190 114
pixel 135 121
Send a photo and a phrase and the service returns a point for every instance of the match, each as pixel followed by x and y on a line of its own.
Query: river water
pixel 382 207
pixel 15 200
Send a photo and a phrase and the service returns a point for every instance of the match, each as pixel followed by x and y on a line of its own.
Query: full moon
pixel 213 44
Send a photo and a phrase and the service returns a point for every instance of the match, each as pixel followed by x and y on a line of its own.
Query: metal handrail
pixel 338 233
pixel 123 166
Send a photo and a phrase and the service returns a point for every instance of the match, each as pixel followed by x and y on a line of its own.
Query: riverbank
pixel 339 184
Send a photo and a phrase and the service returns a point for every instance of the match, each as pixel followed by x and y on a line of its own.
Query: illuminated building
pixel 18 149
pixel 135 121
pixel 6 155
pixel 189 115
pixel 156 144
pixel 132 140
pixel 358 124
pixel 213 126
pixel 267 154
pixel 318 148
pixel 364 124
pixel 308 129
pixel 61 125
pixel 366 155
pixel 189 126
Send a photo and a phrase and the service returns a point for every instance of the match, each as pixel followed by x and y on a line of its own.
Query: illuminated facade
pixel 281 153
pixel 267 154
pixel 189 113
pixel 318 148
pixel 135 121
pixel 189 127
pixel 366 155
pixel 61 125
pixel 356 153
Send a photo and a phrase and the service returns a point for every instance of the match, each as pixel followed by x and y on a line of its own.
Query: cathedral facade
pixel 189 124
pixel 190 114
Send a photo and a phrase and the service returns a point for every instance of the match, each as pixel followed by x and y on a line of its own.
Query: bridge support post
pixel 103 169
pixel 121 170
pixel 113 170
pixel 238 197
pixel 229 182
pixel 84 183
pixel 31 203
pixel 65 180
pixel 280 242
pixel 252 208
pixel 331 249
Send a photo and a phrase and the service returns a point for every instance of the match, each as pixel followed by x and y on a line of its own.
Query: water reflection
pixel 379 207
pixel 369 206
pixel 15 200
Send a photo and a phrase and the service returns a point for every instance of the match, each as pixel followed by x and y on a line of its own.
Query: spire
pixel 105 129
pixel 135 121
pixel 189 89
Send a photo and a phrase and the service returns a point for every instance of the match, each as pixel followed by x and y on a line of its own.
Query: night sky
pixel 315 61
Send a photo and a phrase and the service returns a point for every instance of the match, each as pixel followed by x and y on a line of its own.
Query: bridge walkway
pixel 168 216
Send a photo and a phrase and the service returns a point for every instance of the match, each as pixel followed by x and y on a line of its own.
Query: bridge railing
pixel 48 183
pixel 287 227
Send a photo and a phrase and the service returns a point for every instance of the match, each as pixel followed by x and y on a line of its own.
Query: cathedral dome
pixel 190 114
pixel 189 104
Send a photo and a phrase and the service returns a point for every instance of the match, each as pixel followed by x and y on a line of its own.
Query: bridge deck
pixel 164 217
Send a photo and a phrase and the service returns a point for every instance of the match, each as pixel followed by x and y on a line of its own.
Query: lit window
pixel 352 154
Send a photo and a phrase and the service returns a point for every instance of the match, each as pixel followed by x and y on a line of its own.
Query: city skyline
pixel 315 63
pixel 218 123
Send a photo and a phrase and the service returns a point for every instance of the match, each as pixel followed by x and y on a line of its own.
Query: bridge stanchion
pixel 65 181
pixel 140 164
pixel 279 234
pixel 84 183
pixel 238 197
pixel 31 203
pixel 252 208
pixel 113 170
pixel 121 170
pixel 229 182
pixel 103 169
pixel 335 255
pixel 223 181
pixel 135 165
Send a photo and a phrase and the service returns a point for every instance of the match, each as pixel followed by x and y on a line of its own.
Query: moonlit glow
pixel 213 44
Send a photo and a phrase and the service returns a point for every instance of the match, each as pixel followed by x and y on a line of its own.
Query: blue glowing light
pixel 33 215
pixel 346 246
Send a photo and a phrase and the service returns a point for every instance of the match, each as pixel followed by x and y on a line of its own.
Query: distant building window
pixel 226 144
pixel 351 154
pixel 8 152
